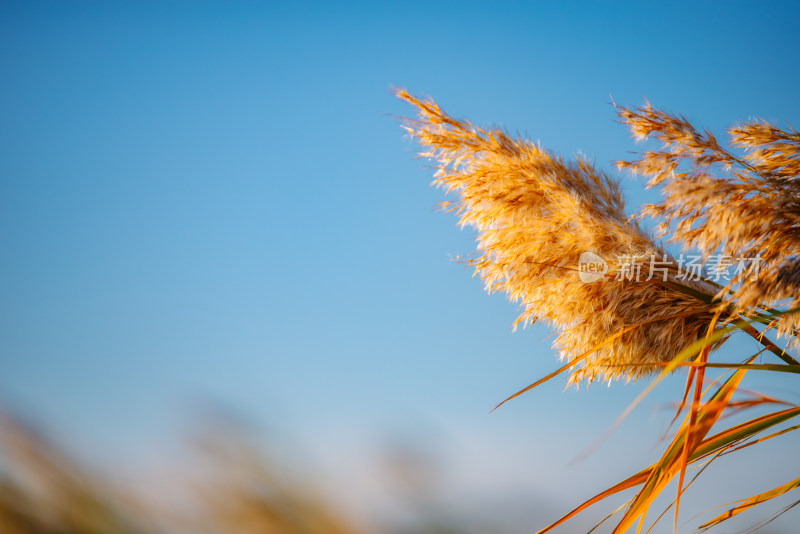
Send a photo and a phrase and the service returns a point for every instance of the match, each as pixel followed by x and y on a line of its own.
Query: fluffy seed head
pixel 744 207
pixel 535 214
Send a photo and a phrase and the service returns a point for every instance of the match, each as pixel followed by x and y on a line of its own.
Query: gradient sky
pixel 212 202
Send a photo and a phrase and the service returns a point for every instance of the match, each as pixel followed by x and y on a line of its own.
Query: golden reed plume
pixel 535 215
pixel 734 207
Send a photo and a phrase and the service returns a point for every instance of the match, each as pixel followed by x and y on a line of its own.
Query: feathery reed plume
pixel 737 209
pixel 535 214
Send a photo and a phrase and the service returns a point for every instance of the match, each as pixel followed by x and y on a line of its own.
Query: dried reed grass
pixel 535 213
pixel 736 207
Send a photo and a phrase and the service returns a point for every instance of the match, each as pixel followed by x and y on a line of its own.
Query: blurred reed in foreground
pixel 231 487
pixel 536 215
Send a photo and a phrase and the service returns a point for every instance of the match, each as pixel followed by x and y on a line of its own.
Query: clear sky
pixel 212 201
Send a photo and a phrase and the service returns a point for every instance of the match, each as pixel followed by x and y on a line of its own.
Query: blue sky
pixel 212 201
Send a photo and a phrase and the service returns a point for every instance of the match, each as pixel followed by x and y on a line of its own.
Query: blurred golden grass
pixel 44 492
pixel 231 487
pixel 535 214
